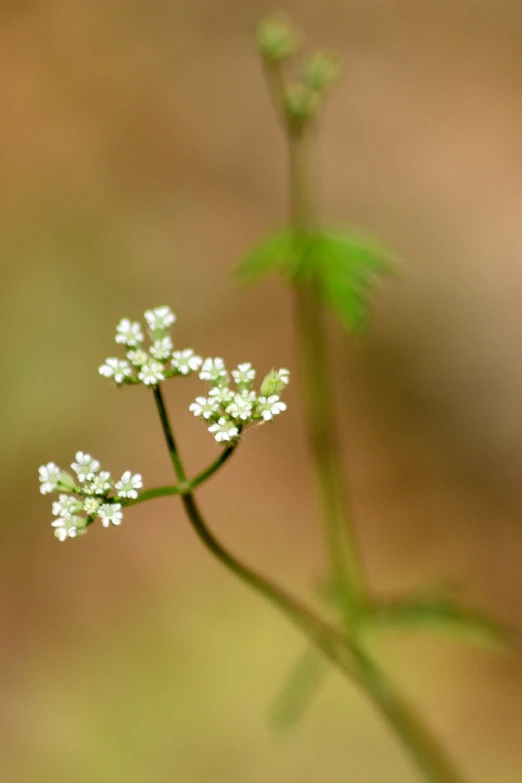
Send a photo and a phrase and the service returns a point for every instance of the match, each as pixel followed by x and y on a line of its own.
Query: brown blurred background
pixel 139 157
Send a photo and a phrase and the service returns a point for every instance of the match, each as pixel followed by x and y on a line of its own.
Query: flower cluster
pixel 88 495
pixel 155 364
pixel 227 411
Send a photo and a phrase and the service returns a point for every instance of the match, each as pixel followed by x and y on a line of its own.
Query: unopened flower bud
pixel 276 39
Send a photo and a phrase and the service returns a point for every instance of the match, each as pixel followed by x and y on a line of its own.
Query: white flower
pixel 268 407
pixel 91 506
pixel 160 318
pixel 241 407
pixel 118 369
pixel 129 333
pixel 128 485
pixel 151 373
pixel 203 407
pixel 138 358
pixel 85 466
pixel 66 506
pixel 284 375
pixel 66 527
pixel 110 513
pixel 221 394
pixel 186 361
pixel 100 484
pixel 50 475
pixel 244 375
pixel 213 370
pixel 224 430
pixel 162 348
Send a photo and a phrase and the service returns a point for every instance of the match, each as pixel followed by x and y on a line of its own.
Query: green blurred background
pixel 139 157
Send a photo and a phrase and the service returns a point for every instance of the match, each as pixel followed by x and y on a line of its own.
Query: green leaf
pixel 439 615
pixel 348 264
pixel 302 684
pixel 273 253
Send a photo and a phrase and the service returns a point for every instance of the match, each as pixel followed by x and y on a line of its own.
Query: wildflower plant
pixel 326 268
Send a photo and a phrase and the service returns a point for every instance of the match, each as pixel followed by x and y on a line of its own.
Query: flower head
pixel 66 506
pixel 214 370
pixel 110 513
pixel 207 408
pixel 100 484
pixel 244 375
pixel 128 485
pixel 151 373
pixel 138 358
pixel 129 333
pixel 67 527
pixel 118 369
pixel 162 349
pixel 268 407
pixel 85 466
pixel 222 395
pixel 224 430
pixel 186 361
pixel 241 407
pixel 91 505
pixel 159 319
pixel 50 476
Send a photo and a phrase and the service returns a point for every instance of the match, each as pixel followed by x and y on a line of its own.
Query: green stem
pixel 169 436
pixel 318 396
pixel 407 724
pixel 184 487
pixel 322 432
pixel 340 650
pixel 327 639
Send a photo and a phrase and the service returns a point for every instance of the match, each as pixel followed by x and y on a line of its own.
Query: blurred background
pixel 139 158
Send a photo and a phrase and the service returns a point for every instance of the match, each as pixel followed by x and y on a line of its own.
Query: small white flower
pixel 50 475
pixel 284 375
pixel 110 513
pixel 118 369
pixel 85 466
pixel 186 361
pixel 205 408
pixel 151 373
pixel 66 506
pixel 244 375
pixel 241 407
pixel 162 349
pixel 222 395
pixel 100 484
pixel 128 485
pixel 268 407
pixel 66 528
pixel 224 430
pixel 129 333
pixel 160 318
pixel 214 370
pixel 91 506
pixel 138 358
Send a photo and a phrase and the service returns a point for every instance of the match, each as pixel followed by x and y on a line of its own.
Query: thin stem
pixel 328 639
pixel 169 437
pixel 340 650
pixel 406 723
pixel 322 432
pixel 208 472
pixel 187 486
pixel 319 407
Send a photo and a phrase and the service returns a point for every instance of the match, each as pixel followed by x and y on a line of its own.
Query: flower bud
pixel 320 71
pixel 276 39
pixel 274 383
